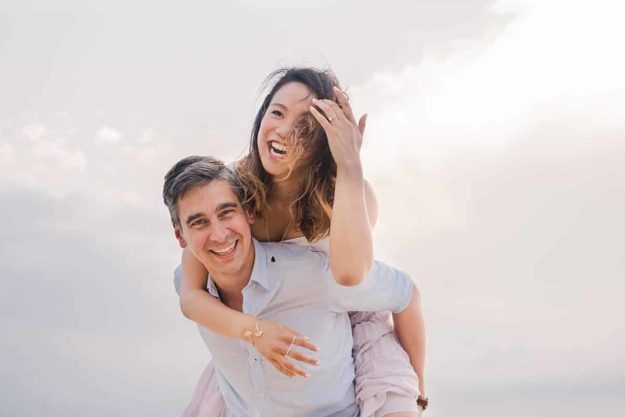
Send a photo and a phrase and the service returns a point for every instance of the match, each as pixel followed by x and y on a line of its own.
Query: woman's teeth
pixel 277 149
pixel 225 250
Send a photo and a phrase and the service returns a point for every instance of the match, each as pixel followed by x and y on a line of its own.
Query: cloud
pixel 487 96
pixel 37 157
pixel 496 167
pixel 107 135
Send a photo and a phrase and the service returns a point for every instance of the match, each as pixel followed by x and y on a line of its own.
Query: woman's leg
pixel 207 400
pixel 386 383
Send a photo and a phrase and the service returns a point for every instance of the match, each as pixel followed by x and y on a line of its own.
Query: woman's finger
pixel 326 107
pixel 282 369
pixel 289 366
pixel 344 103
pixel 306 343
pixel 362 123
pixel 298 356
pixel 325 124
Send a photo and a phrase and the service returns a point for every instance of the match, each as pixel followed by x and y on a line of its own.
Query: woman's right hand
pixel 276 341
pixel 344 133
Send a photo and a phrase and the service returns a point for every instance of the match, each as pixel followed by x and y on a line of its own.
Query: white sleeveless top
pixel 321 245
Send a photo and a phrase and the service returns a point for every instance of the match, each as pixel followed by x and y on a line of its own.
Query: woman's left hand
pixel 344 133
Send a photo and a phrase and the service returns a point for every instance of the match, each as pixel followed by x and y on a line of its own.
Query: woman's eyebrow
pixel 278 104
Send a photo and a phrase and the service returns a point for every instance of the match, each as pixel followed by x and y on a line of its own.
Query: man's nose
pixel 219 233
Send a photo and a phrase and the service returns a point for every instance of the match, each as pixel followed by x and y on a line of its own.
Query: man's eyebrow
pixel 229 204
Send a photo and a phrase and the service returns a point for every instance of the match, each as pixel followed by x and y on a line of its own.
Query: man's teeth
pixel 225 250
pixel 278 148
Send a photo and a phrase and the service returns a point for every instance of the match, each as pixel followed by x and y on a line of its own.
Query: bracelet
pixel 250 333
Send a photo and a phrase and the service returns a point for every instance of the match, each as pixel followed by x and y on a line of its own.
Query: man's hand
pixel 278 345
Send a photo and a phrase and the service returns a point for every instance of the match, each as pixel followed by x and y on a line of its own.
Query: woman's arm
pixel 355 208
pixel 207 311
pixel 204 309
pixel 410 330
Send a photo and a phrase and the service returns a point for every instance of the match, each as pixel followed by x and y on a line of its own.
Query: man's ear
pixel 179 238
pixel 250 216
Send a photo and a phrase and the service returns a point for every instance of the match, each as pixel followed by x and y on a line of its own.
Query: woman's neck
pixel 285 191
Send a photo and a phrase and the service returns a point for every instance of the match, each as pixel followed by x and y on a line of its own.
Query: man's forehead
pixel 209 197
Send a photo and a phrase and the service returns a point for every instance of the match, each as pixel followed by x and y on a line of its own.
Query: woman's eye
pixel 277 113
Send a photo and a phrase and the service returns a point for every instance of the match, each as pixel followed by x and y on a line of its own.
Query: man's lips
pixel 226 250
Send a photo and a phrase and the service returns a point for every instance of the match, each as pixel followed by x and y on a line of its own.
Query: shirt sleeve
pixel 177 278
pixel 384 288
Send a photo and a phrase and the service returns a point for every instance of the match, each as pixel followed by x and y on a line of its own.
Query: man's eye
pixel 198 223
pixel 226 213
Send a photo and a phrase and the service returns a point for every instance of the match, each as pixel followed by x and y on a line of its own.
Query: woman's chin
pixel 274 168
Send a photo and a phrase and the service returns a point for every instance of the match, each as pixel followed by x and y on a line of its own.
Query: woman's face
pixel 287 105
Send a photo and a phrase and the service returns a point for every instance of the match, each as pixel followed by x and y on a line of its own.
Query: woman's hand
pixel 277 344
pixel 344 133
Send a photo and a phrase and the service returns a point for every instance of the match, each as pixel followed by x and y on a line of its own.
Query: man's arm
pixel 384 288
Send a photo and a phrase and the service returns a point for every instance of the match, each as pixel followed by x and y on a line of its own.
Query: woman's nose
pixel 283 129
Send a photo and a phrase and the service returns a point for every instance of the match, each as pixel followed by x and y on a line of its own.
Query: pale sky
pixel 495 142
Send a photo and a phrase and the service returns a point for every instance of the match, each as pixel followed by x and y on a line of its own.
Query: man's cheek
pixel 199 242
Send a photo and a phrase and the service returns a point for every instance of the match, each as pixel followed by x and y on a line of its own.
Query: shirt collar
pixel 259 271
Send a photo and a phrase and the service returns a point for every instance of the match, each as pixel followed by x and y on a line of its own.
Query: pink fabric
pixel 382 367
pixel 207 400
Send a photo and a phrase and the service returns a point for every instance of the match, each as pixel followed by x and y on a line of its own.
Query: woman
pixel 304 175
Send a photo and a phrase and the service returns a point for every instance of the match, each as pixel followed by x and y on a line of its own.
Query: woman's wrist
pixel 351 168
pixel 245 324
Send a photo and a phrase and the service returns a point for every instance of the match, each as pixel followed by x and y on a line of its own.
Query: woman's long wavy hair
pixel 309 153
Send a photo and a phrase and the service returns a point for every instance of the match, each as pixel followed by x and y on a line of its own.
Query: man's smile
pixel 226 252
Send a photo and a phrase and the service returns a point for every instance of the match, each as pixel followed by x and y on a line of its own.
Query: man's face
pixel 217 229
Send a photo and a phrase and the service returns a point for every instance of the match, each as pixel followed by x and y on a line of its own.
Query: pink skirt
pixel 382 367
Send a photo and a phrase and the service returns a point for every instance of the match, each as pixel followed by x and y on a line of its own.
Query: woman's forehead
pixel 292 93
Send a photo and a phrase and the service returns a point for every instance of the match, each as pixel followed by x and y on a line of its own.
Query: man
pixel 285 283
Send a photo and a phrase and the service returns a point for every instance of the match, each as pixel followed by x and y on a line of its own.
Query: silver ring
pixel 290 346
pixel 330 118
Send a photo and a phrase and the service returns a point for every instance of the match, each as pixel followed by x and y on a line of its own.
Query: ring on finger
pixel 290 346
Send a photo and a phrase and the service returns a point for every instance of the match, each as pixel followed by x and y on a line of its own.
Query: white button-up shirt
pixel 293 285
